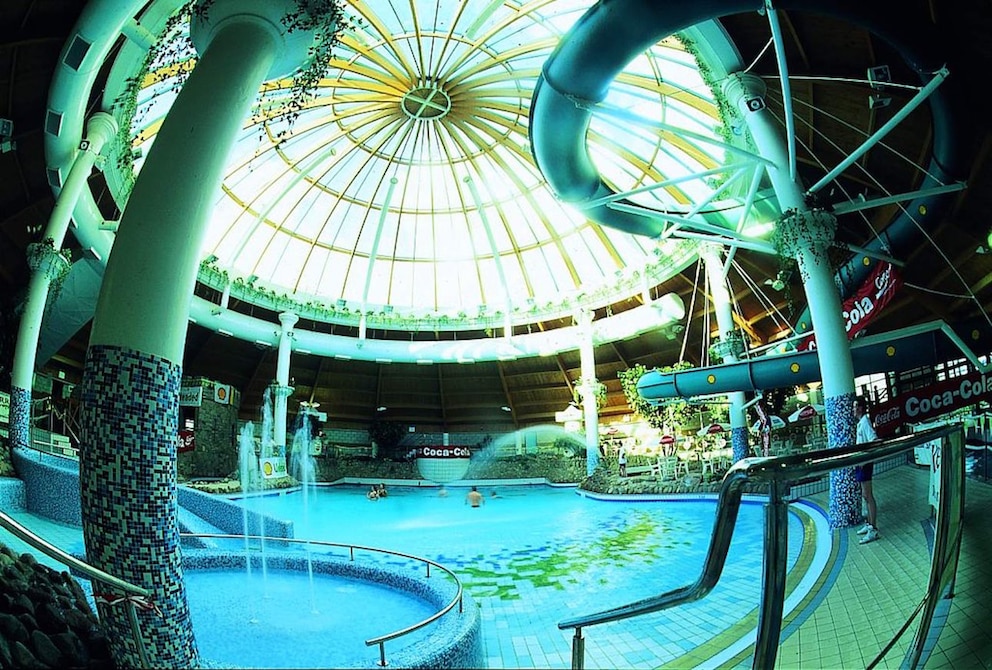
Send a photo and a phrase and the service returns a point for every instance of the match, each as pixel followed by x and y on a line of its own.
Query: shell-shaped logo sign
pixel 267 468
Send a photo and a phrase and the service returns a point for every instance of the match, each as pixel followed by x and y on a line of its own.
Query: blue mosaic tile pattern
pixel 845 492
pixel 12 494
pixel 51 485
pixel 128 493
pixel 230 518
pixel 453 641
pixel 20 417
pixel 738 441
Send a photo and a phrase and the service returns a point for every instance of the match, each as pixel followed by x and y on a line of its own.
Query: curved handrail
pixel 770 469
pixel 381 639
pixel 135 596
pixel 70 561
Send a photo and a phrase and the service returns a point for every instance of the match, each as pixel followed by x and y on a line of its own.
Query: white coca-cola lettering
pixel 916 406
pixel 861 308
pixel 882 281
pixel 445 452
pixel 892 414
pixel 974 387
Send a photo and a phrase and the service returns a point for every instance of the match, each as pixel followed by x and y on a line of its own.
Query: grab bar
pixel 136 595
pixel 778 472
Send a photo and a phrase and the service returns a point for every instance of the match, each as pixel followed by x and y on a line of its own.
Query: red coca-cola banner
pixel 928 402
pixel 859 309
pixel 187 441
pixel 444 452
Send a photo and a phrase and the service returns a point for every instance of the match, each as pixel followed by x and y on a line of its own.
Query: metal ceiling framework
pixel 828 60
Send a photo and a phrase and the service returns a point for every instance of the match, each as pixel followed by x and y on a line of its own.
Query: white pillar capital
pixel 739 87
pixel 292 46
pixel 804 230
pixel 100 129
pixel 288 320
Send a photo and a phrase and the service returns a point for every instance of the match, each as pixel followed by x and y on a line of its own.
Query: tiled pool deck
pixel 870 591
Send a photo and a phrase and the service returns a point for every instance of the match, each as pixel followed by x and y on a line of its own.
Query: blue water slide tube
pixel 577 75
pixel 925 344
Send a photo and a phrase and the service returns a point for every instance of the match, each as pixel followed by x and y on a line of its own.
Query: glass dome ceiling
pixel 407 181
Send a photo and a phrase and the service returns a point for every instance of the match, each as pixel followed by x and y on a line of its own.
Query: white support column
pixel 807 235
pixel 283 389
pixel 730 343
pixel 588 388
pixel 47 263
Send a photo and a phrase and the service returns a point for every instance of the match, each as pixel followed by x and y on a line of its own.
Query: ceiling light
pixel 381 408
pixel 506 409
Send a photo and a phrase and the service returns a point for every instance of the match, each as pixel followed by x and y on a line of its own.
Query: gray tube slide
pixel 904 349
pixel 612 33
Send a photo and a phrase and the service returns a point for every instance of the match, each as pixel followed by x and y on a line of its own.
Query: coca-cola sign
pixel 444 452
pixel 925 403
pixel 186 441
pixel 859 309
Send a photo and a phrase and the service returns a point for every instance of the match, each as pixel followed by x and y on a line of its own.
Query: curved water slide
pixel 927 344
pixel 613 32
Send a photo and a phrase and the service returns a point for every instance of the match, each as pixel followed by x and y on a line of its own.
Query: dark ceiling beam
pixel 564 374
pixel 440 392
pixel 506 394
pixel 321 368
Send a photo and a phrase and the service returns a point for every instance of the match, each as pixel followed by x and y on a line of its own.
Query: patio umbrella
pixel 807 412
pixel 776 423
pixel 667 439
pixel 714 428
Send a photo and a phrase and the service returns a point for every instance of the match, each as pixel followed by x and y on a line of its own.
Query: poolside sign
pixel 444 452
pixel 443 464
pixel 859 309
pixel 925 403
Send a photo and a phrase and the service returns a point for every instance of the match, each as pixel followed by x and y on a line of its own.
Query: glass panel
pixel 430 93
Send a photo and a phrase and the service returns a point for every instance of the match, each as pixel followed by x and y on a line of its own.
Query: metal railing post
pixel 776 549
pixel 578 650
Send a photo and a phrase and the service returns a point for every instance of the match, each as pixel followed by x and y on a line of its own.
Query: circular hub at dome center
pixel 426 103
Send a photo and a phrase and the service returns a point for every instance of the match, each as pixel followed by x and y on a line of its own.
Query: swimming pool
pixel 287 622
pixel 535 555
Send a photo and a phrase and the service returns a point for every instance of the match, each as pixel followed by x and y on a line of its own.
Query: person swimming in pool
pixel 474 498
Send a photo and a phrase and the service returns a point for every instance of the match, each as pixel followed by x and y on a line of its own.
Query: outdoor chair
pixel 666 468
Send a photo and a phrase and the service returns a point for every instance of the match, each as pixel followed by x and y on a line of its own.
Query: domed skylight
pixel 408 181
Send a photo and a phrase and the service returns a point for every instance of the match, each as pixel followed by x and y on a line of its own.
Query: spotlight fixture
pixel 7 142
pixel 878 75
pixel 876 101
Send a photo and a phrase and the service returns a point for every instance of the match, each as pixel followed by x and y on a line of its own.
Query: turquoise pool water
pixel 276 620
pixel 535 555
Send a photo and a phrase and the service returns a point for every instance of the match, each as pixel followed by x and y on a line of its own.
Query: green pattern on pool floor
pixel 643 537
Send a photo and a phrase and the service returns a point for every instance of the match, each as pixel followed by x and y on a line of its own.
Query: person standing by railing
pixel 863 474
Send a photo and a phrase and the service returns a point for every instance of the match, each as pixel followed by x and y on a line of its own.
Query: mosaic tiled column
pixel 730 345
pixel 587 389
pixel 806 235
pixel 133 367
pixel 47 264
pixel 128 487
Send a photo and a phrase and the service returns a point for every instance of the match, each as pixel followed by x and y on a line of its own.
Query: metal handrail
pixel 778 472
pixel 381 639
pixel 134 596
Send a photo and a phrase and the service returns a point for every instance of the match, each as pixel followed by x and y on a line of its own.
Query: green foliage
pixel 572 446
pixel 599 390
pixel 672 416
pixel 555 468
